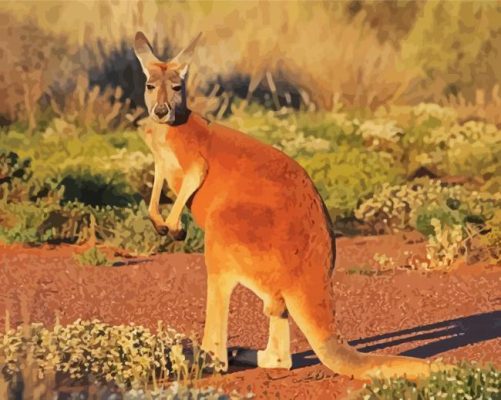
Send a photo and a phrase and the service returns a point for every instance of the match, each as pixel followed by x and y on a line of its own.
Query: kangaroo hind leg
pixel 219 288
pixel 277 352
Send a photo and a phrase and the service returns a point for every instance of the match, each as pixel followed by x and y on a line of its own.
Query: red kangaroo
pixel 265 225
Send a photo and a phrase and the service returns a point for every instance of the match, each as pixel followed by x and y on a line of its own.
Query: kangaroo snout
pixel 161 110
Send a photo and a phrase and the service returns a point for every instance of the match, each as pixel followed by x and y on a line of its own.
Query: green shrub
pixel 425 215
pixel 126 228
pixel 467 381
pixel 297 133
pixel 266 125
pixel 433 137
pixel 455 220
pixel 47 221
pixel 55 153
pixel 128 355
pixel 472 150
pixel 350 156
pixel 134 232
pixel 14 173
pixel 12 168
pixel 413 205
pixel 93 256
pixel 445 244
pixel 348 175
pixel 182 392
pixel 20 222
pixel 488 240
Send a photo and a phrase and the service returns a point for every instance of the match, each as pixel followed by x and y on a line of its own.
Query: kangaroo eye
pixel 150 87
pixel 176 88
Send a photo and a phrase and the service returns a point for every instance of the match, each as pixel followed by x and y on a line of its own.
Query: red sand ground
pixel 37 283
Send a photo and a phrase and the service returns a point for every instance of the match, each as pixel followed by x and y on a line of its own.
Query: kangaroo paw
pixel 179 235
pixel 162 230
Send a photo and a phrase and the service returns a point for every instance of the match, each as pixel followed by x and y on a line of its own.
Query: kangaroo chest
pixel 170 166
pixel 166 159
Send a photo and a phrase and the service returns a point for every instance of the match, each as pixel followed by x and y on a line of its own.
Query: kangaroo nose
pixel 161 110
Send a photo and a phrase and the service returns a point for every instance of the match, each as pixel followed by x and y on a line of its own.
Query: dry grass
pixel 361 54
pixel 484 107
pixel 312 45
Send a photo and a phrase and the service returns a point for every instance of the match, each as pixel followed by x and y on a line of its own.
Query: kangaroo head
pixel 165 92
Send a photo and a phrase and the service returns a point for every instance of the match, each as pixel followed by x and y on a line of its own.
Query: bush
pixel 297 133
pixel 348 175
pixel 14 173
pixel 351 156
pixel 93 256
pixel 413 205
pixel 127 355
pixel 48 221
pixel 487 244
pixel 57 153
pixel 20 222
pixel 467 381
pixel 432 136
pixel 455 220
pixel 127 228
pixel 471 150
pixel 75 176
pixel 444 245
pixel 181 392
pixel 132 230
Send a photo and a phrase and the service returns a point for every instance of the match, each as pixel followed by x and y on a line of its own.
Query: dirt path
pixel 455 316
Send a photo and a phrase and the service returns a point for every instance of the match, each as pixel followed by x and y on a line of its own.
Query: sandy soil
pixel 450 315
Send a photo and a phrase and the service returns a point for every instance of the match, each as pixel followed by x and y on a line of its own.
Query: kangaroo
pixel 266 226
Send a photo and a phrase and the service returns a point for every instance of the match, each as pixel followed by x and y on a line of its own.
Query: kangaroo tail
pixel 310 306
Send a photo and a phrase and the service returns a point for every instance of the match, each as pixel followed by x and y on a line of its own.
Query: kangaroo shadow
pixel 449 335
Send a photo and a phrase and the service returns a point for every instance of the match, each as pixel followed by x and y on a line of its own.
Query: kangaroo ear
pixel 142 48
pixel 185 55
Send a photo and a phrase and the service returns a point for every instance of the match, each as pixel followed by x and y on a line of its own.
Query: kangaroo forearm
pixel 191 182
pixel 158 181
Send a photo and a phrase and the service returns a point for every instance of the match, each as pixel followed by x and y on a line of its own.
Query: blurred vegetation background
pixel 392 107
pixel 311 54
